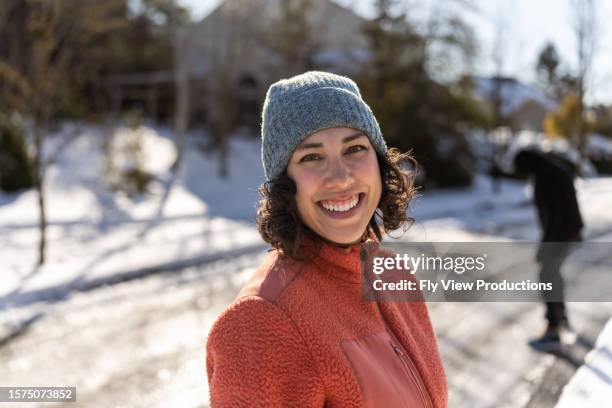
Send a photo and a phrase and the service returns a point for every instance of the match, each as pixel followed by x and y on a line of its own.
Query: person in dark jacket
pixel 561 222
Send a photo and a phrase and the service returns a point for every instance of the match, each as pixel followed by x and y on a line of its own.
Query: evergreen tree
pixel 290 36
pixel 547 69
pixel 417 113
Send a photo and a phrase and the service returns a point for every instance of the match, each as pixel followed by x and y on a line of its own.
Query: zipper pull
pixel 397 350
pixel 415 376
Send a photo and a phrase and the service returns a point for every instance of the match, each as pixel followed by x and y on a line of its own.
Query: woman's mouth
pixel 342 208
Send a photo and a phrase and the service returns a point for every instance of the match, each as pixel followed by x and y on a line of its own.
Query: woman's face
pixel 338 183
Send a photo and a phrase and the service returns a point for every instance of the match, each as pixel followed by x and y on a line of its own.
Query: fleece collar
pixel 343 263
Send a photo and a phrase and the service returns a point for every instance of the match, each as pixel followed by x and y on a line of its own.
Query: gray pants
pixel 551 257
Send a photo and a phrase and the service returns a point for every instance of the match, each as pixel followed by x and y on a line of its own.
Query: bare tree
pixel 55 38
pixel 176 19
pixel 181 79
pixel 499 56
pixel 222 85
pixel 449 41
pixel 586 30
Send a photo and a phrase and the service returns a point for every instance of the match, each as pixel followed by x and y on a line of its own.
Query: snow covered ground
pixel 94 233
pixel 592 384
pixel 97 236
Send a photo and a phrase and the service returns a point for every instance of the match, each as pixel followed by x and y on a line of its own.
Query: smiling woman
pixel 299 334
pixel 338 183
pixel 283 224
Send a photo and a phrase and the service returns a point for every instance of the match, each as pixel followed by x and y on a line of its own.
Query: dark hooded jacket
pixel 554 195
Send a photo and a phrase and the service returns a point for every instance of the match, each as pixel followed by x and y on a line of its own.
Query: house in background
pixel 232 55
pixel 520 106
pixel 243 46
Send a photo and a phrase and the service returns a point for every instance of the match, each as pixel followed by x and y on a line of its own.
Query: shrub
pixel 124 155
pixel 16 170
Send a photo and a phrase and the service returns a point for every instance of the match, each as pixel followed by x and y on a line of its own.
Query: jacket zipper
pixel 414 376
pixel 406 361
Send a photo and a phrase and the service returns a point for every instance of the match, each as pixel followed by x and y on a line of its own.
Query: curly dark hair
pixel 278 219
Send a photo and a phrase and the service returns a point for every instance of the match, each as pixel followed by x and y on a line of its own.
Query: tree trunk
pixel 224 154
pixel 39 176
pixel 582 131
pixel 585 29
pixel 181 78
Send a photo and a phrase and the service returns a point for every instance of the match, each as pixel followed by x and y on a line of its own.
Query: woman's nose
pixel 339 174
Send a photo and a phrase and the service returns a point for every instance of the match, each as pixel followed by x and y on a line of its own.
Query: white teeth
pixel 342 207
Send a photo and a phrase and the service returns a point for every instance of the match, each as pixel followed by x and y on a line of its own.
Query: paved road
pixel 140 343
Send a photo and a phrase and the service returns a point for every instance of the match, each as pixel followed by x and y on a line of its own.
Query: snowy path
pixel 488 361
pixel 134 344
pixel 141 343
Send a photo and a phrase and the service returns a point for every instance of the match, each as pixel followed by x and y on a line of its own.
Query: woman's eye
pixel 310 157
pixel 356 148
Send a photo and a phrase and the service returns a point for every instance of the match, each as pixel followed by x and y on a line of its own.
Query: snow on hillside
pixel 513 94
pixel 93 232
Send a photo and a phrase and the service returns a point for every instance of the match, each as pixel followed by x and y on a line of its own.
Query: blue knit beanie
pixel 297 107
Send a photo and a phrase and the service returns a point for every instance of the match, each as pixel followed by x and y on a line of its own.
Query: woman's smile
pixel 342 209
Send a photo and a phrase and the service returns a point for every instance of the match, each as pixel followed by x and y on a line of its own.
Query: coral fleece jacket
pixel 299 335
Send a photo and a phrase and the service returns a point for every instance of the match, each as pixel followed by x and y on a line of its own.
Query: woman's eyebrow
pixel 309 146
pixel 352 137
pixel 317 145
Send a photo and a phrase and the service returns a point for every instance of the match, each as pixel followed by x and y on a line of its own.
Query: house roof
pixel 271 7
pixel 513 93
pixel 334 30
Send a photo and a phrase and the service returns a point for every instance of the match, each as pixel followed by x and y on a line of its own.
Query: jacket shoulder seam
pixel 279 294
pixel 298 334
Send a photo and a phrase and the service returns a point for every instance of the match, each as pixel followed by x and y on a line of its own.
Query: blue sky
pixel 530 24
